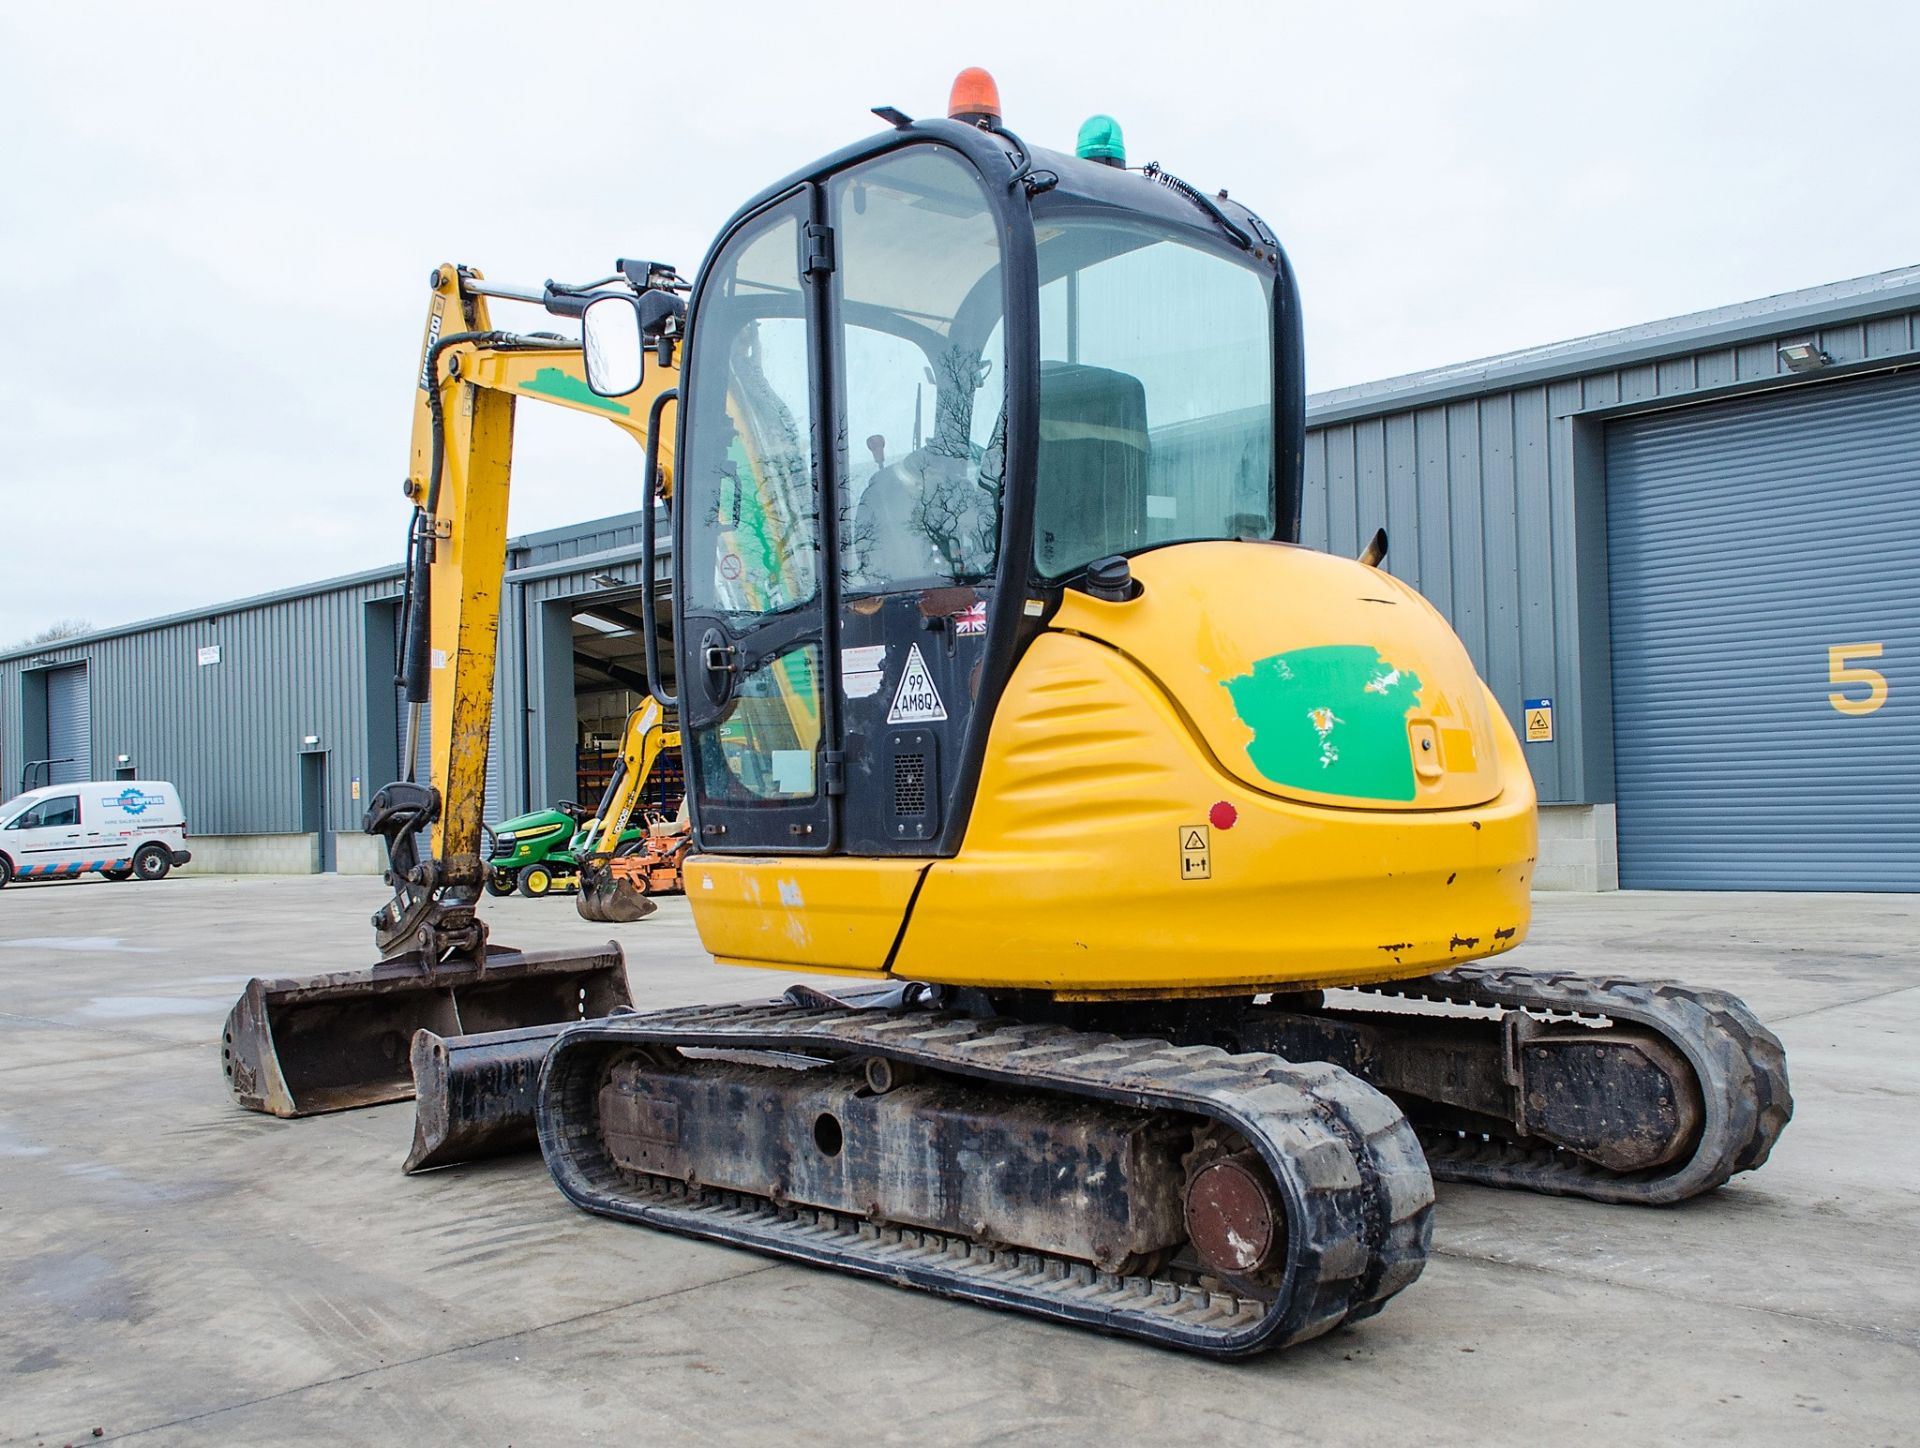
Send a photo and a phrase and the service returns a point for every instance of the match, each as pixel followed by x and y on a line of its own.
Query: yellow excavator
pixel 1151 866
pixel 614 883
pixel 297 1046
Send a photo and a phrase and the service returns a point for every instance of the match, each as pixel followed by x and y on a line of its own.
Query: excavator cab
pixel 1006 379
pixel 977 442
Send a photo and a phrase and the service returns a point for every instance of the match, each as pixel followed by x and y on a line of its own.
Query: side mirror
pixel 613 344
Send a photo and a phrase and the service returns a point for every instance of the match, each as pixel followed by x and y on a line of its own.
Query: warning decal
pixel 916 701
pixel 1539 720
pixel 860 670
pixel 1196 853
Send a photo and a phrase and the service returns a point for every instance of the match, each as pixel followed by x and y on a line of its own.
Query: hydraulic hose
pixel 415 664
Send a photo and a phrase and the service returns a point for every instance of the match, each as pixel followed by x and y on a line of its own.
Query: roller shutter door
pixel 492 812
pixel 69 725
pixel 1764 561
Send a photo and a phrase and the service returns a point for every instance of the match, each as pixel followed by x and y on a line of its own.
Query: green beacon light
pixel 1100 140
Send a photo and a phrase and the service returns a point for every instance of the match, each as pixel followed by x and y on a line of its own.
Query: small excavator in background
pixel 618 877
pixel 1165 853
pixel 530 857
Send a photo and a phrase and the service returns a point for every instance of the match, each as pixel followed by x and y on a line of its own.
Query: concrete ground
pixel 176 1270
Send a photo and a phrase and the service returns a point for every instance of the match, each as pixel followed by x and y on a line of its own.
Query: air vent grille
pixel 910 784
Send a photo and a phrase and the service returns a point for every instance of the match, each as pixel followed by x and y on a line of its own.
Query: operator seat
pixel 666 829
pixel 1094 451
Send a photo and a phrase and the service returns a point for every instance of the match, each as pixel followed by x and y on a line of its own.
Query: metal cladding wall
pixel 228 733
pixel 1748 540
pixel 1491 482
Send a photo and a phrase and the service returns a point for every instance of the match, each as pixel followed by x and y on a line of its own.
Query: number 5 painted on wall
pixel 1841 671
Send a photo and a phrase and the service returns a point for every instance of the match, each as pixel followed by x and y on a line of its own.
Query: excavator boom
pixel 609 892
pixel 295 1046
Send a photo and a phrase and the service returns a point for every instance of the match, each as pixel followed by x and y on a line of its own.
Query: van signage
pixel 133 801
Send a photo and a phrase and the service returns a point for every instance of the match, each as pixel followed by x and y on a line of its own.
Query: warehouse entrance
pixel 1766 648
pixel 313 805
pixel 609 682
pixel 58 728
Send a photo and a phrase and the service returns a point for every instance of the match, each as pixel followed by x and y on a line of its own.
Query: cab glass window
pixel 921 396
pixel 753 539
pixel 1156 394
pixel 766 747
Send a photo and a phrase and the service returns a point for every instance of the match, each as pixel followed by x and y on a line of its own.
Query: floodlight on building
pixel 1803 357
pixel 310 740
pixel 609 580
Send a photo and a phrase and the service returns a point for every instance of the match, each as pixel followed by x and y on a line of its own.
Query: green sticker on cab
pixel 1331 719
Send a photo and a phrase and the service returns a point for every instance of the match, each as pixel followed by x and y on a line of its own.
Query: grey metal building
pixel 1685 556
pixel 277 716
pixel 1700 541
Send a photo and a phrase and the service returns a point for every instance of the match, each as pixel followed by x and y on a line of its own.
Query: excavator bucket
pixel 612 896
pixel 301 1046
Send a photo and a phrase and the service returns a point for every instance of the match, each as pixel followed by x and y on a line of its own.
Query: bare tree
pixel 53 633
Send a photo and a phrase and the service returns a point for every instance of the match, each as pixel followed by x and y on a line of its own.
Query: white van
pixel 122 828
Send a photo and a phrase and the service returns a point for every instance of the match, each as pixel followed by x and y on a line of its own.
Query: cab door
pixel 46 840
pixel 919 403
pixel 752 592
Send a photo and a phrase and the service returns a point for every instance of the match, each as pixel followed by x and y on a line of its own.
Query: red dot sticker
pixel 1223 816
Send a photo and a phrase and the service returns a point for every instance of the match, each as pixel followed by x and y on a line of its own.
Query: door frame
pixel 314 806
pixel 811 825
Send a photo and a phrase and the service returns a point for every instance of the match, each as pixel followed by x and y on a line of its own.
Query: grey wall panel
pixel 539 549
pixel 228 733
pixel 1501 519
pixel 1747 539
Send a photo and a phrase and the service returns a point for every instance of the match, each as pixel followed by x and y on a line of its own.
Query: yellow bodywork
pixel 800 912
pixel 1117 740
pixel 1271 769
pixel 478 386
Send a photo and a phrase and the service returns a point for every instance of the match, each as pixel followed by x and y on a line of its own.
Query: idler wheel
pixel 1235 1218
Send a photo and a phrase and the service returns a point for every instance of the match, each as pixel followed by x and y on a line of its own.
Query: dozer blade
pixel 473 1096
pixel 301 1046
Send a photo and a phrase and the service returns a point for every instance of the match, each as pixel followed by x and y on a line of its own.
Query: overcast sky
pixel 217 221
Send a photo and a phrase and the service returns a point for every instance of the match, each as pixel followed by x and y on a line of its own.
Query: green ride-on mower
pixel 533 853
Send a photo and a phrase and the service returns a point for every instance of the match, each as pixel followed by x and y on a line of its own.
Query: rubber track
pixel 1359 1195
pixel 1739 1064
